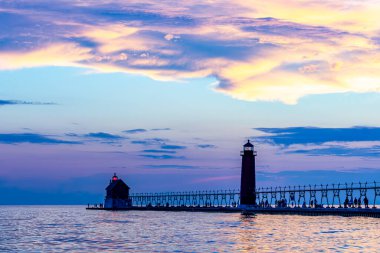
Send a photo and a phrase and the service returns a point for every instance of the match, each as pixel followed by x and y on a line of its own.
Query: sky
pixel 165 93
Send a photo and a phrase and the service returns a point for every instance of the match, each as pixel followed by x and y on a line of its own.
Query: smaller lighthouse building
pixel 117 194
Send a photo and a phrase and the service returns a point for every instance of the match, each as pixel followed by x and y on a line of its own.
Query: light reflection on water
pixel 62 228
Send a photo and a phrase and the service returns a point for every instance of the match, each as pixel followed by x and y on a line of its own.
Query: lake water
pixel 72 228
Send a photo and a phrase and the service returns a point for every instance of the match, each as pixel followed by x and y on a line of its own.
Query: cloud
pixel 149 142
pixel 169 166
pixel 140 142
pixel 159 151
pixel 161 129
pixel 15 138
pixel 102 135
pixel 316 135
pixel 72 135
pixel 173 147
pixel 339 151
pixel 135 131
pixel 314 141
pixel 272 51
pixel 163 157
pixel 18 102
pixel 142 130
pixel 206 146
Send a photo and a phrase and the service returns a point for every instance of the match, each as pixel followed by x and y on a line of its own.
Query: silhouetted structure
pixel 305 200
pixel 248 176
pixel 117 194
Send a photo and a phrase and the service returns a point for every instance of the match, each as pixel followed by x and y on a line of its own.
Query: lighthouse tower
pixel 248 176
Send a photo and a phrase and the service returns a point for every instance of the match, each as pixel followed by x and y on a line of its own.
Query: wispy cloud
pixel 150 142
pixel 315 141
pixel 317 135
pixel 339 151
pixel 169 166
pixel 272 51
pixel 163 157
pixel 14 138
pixel 141 142
pixel 18 102
pixel 173 147
pixel 143 130
pixel 206 146
pixel 159 151
pixel 135 131
pixel 103 135
pixel 161 129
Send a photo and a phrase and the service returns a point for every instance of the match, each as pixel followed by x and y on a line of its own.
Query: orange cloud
pixel 259 51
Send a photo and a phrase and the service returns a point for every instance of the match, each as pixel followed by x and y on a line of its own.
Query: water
pixel 72 228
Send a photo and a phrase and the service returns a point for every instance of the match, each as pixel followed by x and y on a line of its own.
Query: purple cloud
pixel 173 147
pixel 163 157
pixel 103 135
pixel 15 138
pixel 169 166
pixel 206 146
pixel 135 131
pixel 159 151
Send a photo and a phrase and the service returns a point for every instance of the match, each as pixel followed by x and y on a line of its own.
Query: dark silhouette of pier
pixel 347 199
pixel 323 196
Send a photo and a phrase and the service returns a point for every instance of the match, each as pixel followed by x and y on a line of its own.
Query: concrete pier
pixel 348 212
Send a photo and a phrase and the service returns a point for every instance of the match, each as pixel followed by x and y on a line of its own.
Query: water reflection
pixel 59 229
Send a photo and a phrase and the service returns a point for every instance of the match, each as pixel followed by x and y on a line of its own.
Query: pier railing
pixel 359 195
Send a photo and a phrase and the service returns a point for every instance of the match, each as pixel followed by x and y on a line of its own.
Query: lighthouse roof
pixel 248 144
pixel 116 183
pixel 113 185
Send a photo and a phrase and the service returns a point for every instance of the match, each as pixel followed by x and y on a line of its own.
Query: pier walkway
pixel 366 212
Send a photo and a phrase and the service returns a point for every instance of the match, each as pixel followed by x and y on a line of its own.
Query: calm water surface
pixel 63 228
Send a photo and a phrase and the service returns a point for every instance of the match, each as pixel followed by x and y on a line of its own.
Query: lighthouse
pixel 117 194
pixel 248 176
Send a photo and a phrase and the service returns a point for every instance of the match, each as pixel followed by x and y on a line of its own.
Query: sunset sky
pixel 165 93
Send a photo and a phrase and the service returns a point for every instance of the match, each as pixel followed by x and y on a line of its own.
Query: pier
pixel 344 199
pixel 334 199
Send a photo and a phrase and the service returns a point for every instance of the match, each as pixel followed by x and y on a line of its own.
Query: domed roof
pixel 248 144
